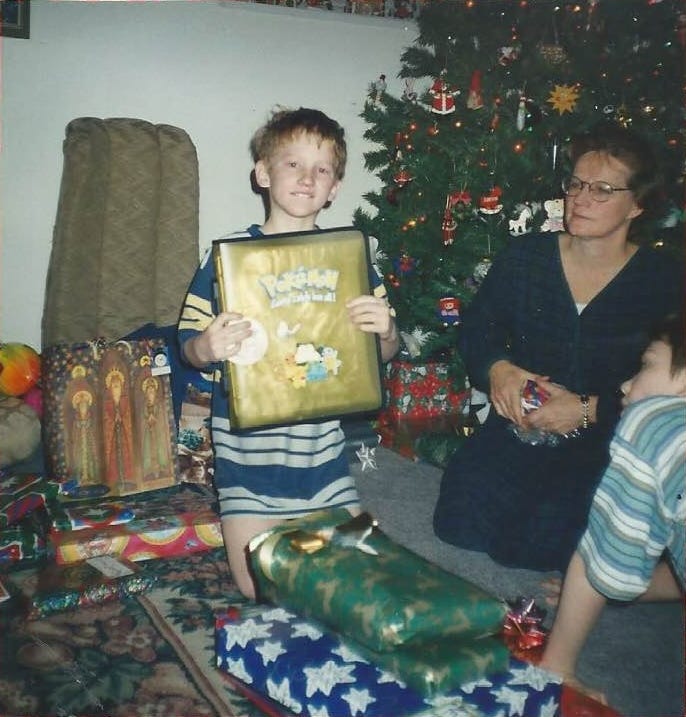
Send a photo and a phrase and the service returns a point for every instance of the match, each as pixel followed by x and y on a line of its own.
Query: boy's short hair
pixel 285 124
pixel 672 331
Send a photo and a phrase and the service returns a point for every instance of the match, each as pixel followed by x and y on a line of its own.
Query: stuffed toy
pixel 555 209
pixel 20 430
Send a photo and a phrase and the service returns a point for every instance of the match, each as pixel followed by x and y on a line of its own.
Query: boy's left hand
pixel 371 314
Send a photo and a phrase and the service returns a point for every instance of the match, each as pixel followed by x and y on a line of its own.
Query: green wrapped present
pixel 349 575
pixel 444 665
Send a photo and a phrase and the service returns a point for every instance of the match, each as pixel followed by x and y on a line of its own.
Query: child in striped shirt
pixel 633 546
pixel 263 477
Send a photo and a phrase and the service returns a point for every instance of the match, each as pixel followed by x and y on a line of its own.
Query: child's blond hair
pixel 285 124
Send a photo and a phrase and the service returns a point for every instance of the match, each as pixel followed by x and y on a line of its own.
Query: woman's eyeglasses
pixel 600 191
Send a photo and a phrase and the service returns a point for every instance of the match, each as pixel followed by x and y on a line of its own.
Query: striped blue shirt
pixel 639 509
pixel 280 472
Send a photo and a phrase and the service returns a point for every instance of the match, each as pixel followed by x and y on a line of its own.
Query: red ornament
pixel 475 101
pixel 460 198
pixel 449 310
pixel 19 369
pixel 443 102
pixel 490 203
pixel 402 177
pixel 448 227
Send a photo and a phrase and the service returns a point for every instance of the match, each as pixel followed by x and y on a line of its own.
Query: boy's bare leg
pixel 237 532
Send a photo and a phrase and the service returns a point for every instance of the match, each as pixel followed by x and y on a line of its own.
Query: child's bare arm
pixel 579 610
pixel 219 341
pixel 373 314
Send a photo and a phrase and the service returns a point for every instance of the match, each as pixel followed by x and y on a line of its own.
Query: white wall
pixel 213 68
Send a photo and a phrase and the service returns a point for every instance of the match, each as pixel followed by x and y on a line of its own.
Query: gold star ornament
pixel 563 98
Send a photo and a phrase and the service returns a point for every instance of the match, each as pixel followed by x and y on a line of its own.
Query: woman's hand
pixel 561 413
pixel 507 381
pixel 219 341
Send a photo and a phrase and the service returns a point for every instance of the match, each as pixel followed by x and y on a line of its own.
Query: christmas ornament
pixel 507 55
pixel 392 196
pixel 409 93
pixel 405 264
pixel 475 100
pixel 481 269
pixel 564 98
pixel 552 53
pixel 520 225
pixel 19 369
pixel 393 280
pixel 448 226
pixel 377 89
pixel 521 113
pixel 443 95
pixel 460 203
pixel 528 114
pixel 490 203
pixel 555 210
pixel 449 310
pixel 402 177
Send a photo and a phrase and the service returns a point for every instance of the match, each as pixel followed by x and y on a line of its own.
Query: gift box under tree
pixel 421 390
pixel 348 574
pixel 165 523
pixel 297 663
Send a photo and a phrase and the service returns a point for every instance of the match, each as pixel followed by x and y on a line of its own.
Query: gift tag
pixel 110 566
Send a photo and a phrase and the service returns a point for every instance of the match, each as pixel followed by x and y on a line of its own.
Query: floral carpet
pixel 146 656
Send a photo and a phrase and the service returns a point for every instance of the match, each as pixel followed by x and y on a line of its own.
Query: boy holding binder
pixel 266 476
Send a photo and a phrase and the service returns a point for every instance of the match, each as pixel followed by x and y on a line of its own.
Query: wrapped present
pixel 93 515
pixel 91 582
pixel 423 390
pixel 164 524
pixel 196 457
pixel 349 575
pixel 21 493
pixel 25 542
pixel 274 655
pixel 108 419
pixel 432 439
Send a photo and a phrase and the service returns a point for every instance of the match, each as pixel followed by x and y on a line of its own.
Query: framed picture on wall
pixel 14 18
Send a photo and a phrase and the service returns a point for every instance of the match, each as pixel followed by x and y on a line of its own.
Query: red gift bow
pixel 523 628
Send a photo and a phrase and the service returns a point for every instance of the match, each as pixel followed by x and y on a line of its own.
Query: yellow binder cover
pixel 305 360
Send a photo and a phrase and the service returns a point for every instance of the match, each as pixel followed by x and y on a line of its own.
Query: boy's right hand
pixel 222 338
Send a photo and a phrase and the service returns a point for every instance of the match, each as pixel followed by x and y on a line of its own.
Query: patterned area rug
pixel 148 656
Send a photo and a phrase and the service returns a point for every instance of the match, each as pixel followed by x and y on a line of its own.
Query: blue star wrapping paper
pixel 314 672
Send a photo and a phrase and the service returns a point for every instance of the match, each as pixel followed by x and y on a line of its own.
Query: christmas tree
pixel 473 150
